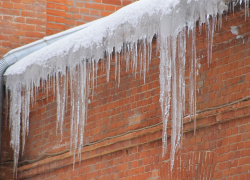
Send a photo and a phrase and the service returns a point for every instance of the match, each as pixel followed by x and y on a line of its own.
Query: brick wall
pixel 21 22
pixel 123 130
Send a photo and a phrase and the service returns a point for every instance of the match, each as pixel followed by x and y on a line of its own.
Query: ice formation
pixel 75 59
pixel 235 30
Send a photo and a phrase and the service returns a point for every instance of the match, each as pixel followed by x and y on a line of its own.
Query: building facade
pixel 123 130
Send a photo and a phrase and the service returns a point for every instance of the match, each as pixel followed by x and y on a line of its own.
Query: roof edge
pixel 19 53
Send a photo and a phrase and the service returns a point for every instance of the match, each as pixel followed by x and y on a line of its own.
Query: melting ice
pixel 75 59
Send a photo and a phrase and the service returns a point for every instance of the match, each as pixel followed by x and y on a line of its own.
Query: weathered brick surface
pixel 21 22
pixel 125 123
pixel 227 78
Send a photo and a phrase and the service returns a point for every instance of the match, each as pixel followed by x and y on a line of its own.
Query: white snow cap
pixel 133 21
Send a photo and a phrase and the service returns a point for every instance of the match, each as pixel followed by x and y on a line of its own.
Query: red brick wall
pixel 21 22
pixel 123 130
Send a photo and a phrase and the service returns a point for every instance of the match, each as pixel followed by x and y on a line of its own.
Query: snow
pixel 75 59
pixel 234 30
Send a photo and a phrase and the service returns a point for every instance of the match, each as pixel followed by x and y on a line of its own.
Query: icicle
pixel 116 65
pixel 25 114
pixel 246 9
pixel 93 76
pixel 58 101
pixel 144 59
pixel 108 65
pixel 141 56
pixel 127 55
pixel 15 111
pixel 135 57
pixel 119 68
pixel 6 106
pixel 165 86
pixel 66 90
pixel 96 68
pixel 192 80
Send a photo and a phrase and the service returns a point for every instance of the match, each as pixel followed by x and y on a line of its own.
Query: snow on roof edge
pixel 27 49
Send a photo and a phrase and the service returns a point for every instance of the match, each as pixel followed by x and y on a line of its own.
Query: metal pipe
pixel 3 66
pixel 1 114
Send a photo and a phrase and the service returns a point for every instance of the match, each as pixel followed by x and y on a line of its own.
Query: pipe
pixel 1 115
pixel 3 66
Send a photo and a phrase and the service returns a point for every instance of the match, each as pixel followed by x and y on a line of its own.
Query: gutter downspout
pixel 4 64
pixel 19 53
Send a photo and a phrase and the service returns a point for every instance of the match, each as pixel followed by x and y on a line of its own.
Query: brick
pixel 19 19
pixel 78 23
pixel 6 44
pixel 89 18
pixel 28 27
pixel 16 26
pixel 94 12
pixel 79 4
pixel 69 22
pixel 28 14
pixel 7 5
pixel 41 15
pixel 51 18
pixel 95 6
pixel 49 31
pixel 51 5
pixel 115 2
pixel 19 6
pixel 9 11
pixel 19 33
pixel 56 1
pixel 84 11
pixel 68 15
pixel 74 10
pixel 4 37
pixel 60 20
pixel 7 18
pixel 13 39
pixel 7 31
pixel 105 13
pixel 117 8
pixel 3 50
pixel 69 3
pixel 36 8
pixel 109 7
pixel 60 6
pixel 5 24
pixel 126 2
pixel 16 1
pixel 55 12
pixel 35 34
pixel 76 16
pixel 55 26
pixel 35 21
pixel 29 1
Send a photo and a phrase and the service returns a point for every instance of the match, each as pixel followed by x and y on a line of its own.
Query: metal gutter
pixel 19 53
